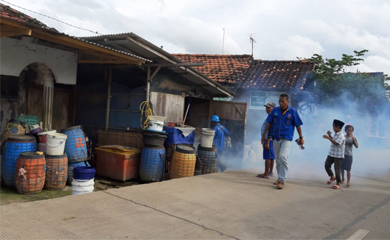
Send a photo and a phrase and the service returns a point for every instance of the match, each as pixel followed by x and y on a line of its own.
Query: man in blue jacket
pixel 284 120
pixel 219 139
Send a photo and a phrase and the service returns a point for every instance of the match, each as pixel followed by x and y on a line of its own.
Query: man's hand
pixel 263 140
pixel 301 141
pixel 329 133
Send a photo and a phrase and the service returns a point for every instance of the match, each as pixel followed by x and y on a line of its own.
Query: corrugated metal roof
pixel 11 14
pixel 133 43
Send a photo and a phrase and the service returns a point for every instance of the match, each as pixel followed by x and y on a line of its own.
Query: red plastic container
pixel 118 162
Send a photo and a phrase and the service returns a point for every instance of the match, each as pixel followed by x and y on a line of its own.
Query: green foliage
pixel 332 81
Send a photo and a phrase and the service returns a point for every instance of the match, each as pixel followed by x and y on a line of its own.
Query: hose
pixel 146 110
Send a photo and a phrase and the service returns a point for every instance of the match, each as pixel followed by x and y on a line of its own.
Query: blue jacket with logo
pixel 283 123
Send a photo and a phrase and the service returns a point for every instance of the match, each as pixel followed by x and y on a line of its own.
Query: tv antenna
pixel 223 39
pixel 252 41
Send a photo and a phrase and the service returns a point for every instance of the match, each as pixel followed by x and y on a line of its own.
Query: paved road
pixel 232 205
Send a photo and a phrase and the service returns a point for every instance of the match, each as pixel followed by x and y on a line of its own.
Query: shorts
pixel 346 163
pixel 269 154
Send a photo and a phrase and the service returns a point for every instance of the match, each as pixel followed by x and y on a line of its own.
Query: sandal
pixel 280 185
pixel 331 180
pixel 262 176
pixel 276 183
pixel 336 187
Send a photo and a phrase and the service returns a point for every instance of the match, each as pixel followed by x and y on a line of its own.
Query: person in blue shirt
pixel 284 119
pixel 268 147
pixel 219 139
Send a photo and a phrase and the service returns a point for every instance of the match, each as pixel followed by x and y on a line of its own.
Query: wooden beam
pixel 9 31
pixel 103 61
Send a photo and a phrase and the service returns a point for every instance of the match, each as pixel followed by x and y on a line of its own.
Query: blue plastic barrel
pixel 152 164
pixel 13 147
pixel 75 146
pixel 71 166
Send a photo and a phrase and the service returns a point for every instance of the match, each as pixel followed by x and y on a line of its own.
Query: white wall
pixel 18 54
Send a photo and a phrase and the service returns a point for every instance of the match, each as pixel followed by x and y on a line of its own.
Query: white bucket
pixel 157 118
pixel 207 137
pixel 82 186
pixel 55 143
pixel 156 125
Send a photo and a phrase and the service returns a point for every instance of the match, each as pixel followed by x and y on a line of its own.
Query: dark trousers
pixel 337 167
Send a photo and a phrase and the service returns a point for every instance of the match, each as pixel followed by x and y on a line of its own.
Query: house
pixel 39 69
pixel 256 82
pixel 97 82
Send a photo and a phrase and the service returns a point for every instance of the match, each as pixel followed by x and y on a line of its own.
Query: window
pixel 9 88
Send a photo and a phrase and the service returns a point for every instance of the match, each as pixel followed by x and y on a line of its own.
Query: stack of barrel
pixel 153 156
pixel 83 180
pixel 207 153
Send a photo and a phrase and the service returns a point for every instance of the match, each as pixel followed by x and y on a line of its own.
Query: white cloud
pixel 283 29
pixel 299 46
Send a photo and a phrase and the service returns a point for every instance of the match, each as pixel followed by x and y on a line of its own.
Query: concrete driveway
pixel 227 205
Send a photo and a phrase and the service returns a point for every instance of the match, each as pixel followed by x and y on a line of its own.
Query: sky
pixel 282 29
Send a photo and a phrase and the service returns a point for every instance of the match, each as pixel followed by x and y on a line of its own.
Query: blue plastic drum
pixel 152 164
pixel 13 147
pixel 75 146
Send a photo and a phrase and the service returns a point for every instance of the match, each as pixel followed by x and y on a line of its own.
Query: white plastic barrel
pixel 55 143
pixel 82 186
pixel 207 137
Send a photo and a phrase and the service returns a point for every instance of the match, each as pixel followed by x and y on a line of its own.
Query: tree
pixel 333 83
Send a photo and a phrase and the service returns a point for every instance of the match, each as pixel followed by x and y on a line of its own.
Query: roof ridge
pixel 212 55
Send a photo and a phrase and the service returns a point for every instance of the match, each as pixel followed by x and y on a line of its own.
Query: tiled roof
pixel 277 75
pixel 227 70
pixel 7 12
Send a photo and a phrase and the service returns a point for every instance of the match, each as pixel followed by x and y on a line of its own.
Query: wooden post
pixel 108 96
pixel 148 85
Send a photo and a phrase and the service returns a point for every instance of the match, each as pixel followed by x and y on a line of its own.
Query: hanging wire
pixel 95 32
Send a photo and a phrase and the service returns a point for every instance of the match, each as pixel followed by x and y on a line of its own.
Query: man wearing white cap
pixel 268 151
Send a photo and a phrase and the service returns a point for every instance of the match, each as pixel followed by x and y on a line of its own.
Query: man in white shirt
pixel 336 153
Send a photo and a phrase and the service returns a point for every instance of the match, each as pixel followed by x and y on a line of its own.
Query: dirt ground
pixel 8 196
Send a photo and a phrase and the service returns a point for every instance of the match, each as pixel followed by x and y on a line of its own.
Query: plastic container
pixel 83 172
pixel 156 125
pixel 118 162
pixel 155 139
pixel 75 147
pixel 42 139
pixel 71 166
pixel 82 186
pixel 152 164
pixel 56 172
pixel 13 147
pixel 157 118
pixel 30 173
pixel 207 160
pixel 183 162
pixel 55 144
pixel 207 137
